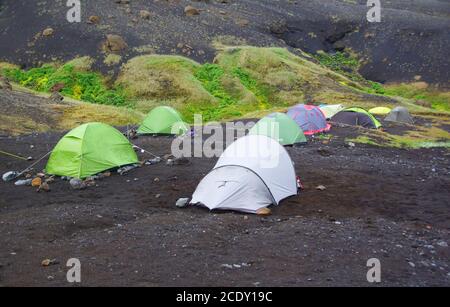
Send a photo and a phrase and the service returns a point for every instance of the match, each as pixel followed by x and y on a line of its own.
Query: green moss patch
pixel 422 137
pixel 74 81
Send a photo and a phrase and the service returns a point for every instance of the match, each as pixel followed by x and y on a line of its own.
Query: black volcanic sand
pixel 379 203
pixel 412 39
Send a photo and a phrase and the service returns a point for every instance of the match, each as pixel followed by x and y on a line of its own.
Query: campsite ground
pixel 379 202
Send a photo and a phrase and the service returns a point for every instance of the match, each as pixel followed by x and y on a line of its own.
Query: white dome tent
pixel 255 172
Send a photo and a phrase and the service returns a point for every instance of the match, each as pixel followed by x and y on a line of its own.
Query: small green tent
pixel 163 120
pixel 90 149
pixel 364 112
pixel 280 127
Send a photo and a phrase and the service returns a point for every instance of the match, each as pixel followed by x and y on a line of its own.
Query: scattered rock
pixel 321 188
pixel 242 22
pixel 144 14
pixel 168 156
pixel 44 187
pixel 48 32
pixel 132 135
pixel 115 43
pixel 442 244
pixel 124 170
pixel 227 266
pixel 10 176
pixel 153 161
pixel 324 152
pixel 36 182
pixel 56 97
pixel 182 202
pixel 264 212
pixel 191 11
pixel 94 20
pixel 90 182
pixel 236 265
pixel 26 182
pixel 278 27
pixel 48 262
pixel 77 184
pixel 104 175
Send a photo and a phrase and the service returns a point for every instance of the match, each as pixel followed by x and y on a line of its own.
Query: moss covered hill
pixel 241 82
pixel 410 43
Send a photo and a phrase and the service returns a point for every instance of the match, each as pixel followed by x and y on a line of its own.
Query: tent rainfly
pixel 90 149
pixel 164 121
pixel 380 111
pixel 309 118
pixel 357 117
pixel 400 115
pixel 254 172
pixel 331 110
pixel 281 128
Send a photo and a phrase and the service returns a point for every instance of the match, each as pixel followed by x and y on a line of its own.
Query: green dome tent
pixel 357 117
pixel 280 127
pixel 365 112
pixel 163 120
pixel 90 149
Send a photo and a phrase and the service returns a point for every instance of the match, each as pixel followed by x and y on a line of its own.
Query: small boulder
pixel 56 97
pixel 115 43
pixel 182 202
pixel 191 11
pixel 77 184
pixel 48 262
pixel 48 32
pixel 36 182
pixel 10 176
pixel 44 187
pixel 21 183
pixel 144 14
pixel 278 27
pixel 94 20
pixel 264 212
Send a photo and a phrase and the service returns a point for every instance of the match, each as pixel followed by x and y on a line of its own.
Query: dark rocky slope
pixel 412 40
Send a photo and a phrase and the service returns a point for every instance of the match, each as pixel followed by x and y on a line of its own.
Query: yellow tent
pixel 380 111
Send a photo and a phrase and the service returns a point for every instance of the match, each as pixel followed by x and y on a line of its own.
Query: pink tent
pixel 310 118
